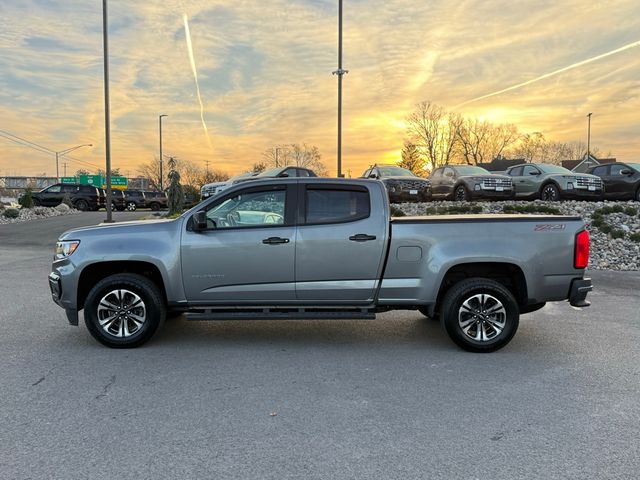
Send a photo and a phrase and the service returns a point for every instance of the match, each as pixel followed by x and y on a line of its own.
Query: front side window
pixel 599 171
pixel 515 172
pixel 328 205
pixel 249 209
pixel 617 169
pixel 54 189
pixel 530 170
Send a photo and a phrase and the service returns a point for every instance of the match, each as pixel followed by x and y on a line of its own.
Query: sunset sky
pixel 264 71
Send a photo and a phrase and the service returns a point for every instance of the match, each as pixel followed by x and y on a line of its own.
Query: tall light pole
pixel 340 72
pixel 107 116
pixel 161 161
pixel 277 151
pixel 62 153
pixel 589 137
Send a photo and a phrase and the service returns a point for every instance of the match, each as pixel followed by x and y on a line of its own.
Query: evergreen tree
pixel 411 159
pixel 175 195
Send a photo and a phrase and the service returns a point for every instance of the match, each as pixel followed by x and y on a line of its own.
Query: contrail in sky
pixel 187 35
pixel 551 74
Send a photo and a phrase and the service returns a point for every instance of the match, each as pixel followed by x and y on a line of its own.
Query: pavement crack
pixel 38 382
pixel 43 377
pixel 106 388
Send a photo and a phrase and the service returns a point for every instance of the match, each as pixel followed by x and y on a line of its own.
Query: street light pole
pixel 161 161
pixel 277 151
pixel 107 121
pixel 589 137
pixel 64 152
pixel 340 72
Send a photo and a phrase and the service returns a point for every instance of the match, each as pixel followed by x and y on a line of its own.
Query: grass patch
pixel 396 212
pixel 635 237
pixel 11 213
pixel 531 209
pixel 453 210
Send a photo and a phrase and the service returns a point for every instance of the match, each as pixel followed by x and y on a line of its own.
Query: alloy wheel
pixel 482 317
pixel 121 313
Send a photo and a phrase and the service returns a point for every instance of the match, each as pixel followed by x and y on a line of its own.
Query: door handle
pixel 362 237
pixel 275 240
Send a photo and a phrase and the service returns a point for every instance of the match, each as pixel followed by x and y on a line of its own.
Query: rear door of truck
pixel 341 241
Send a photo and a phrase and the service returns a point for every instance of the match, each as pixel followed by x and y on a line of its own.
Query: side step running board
pixel 280 314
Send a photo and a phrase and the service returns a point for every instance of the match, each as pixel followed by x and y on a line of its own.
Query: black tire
pixel 155 207
pixel 153 306
pixel 82 205
pixel 456 315
pixel 120 209
pixel 461 194
pixel 637 197
pixel 425 311
pixel 36 202
pixel 550 193
pixel 131 206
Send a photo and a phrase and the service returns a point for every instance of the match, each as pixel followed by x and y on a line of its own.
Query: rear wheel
pixel 131 206
pixel 155 207
pixel 82 205
pixel 124 310
pixel 550 193
pixel 480 315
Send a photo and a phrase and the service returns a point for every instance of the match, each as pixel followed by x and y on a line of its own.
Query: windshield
pixel 546 168
pixel 635 166
pixel 470 170
pixel 395 172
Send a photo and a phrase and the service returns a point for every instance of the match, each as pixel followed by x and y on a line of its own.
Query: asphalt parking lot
pixel 391 398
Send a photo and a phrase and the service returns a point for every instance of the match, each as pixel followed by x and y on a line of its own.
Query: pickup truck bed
pixel 319 248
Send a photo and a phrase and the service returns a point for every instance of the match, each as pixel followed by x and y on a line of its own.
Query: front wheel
pixel 461 194
pixel 124 310
pixel 82 205
pixel 638 195
pixel 550 193
pixel 131 206
pixel 480 315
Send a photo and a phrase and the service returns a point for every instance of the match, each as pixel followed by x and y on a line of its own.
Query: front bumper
pixel 578 292
pixel 493 195
pixel 61 297
pixel 582 194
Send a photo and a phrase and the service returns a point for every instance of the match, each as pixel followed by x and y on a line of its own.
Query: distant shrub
pixel 26 201
pixel 11 213
pixel 631 211
pixel 531 209
pixel 617 233
pixel 635 237
pixel 396 212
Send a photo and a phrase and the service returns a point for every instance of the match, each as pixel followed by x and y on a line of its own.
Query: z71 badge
pixel 547 227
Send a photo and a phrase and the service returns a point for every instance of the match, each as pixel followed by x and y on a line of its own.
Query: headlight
pixel 477 187
pixel 569 186
pixel 66 248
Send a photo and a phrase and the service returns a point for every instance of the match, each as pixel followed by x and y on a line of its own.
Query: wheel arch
pixel 510 275
pixel 93 273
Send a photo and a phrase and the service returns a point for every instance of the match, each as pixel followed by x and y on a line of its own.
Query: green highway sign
pixel 68 180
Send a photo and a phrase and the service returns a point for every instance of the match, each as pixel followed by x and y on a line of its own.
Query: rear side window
pixel 599 171
pixel 335 205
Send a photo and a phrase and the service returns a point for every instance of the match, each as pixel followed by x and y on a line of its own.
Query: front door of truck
pixel 247 254
pixel 340 243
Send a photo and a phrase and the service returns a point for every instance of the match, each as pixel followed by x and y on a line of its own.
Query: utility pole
pixel 161 161
pixel 64 164
pixel 62 153
pixel 277 156
pixel 107 116
pixel 340 72
pixel 589 137
pixel 206 163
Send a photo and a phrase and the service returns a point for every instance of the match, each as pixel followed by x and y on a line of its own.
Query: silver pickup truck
pixel 318 249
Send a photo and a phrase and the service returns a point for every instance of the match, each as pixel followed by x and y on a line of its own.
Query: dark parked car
pixel 553 182
pixel 621 180
pixel 467 182
pixel 83 197
pixel 401 184
pixel 134 199
pixel 279 172
pixel 117 199
pixel 155 200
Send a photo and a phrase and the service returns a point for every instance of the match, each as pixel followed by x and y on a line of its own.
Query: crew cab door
pixel 340 242
pixel 51 196
pixel 529 182
pixel 247 253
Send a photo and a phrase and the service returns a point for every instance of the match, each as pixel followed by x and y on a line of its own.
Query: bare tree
pixel 259 167
pixel 300 155
pixel 482 141
pixel 190 174
pixel 434 131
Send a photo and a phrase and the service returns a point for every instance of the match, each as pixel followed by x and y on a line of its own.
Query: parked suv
pixel 553 182
pixel 117 199
pixel 467 182
pixel 402 185
pixel 134 199
pixel 155 200
pixel 621 180
pixel 83 197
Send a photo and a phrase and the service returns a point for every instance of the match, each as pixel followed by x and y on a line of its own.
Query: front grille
pixel 411 184
pixel 586 182
pixel 491 183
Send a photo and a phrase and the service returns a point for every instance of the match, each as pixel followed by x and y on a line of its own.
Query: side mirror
pixel 199 221
pixel 534 173
pixel 626 171
pixel 373 175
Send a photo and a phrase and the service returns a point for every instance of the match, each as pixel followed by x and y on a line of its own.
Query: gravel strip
pixel 27 214
pixel 607 253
